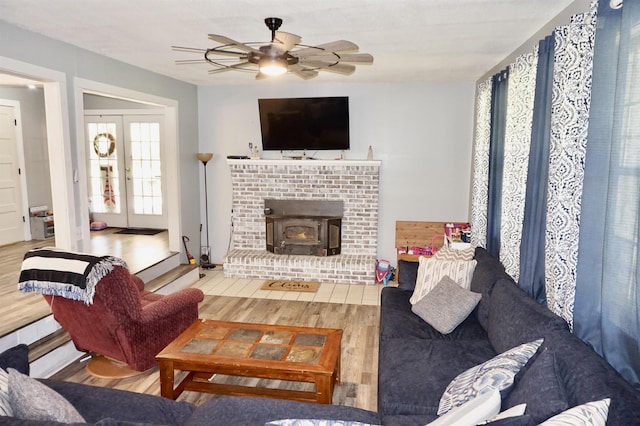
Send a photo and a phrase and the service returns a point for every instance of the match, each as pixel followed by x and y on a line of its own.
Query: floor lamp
pixel 205 252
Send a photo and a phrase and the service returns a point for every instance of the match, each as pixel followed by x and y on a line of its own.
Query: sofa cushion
pixel 31 400
pixel 245 411
pixel 17 358
pixel 96 403
pixel 515 318
pixel 540 387
pixel 414 373
pixel 586 377
pixel 487 271
pixel 407 274
pixel 431 271
pixel 397 321
pixel 446 305
pixel 496 373
pixel 589 414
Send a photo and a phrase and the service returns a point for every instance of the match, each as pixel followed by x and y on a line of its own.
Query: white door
pixel 11 215
pixel 144 170
pixel 126 182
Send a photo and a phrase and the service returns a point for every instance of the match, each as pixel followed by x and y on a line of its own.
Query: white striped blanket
pixel 62 273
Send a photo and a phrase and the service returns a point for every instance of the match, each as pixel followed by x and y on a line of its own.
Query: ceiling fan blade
pixel 334 46
pixel 285 41
pixel 356 58
pixel 229 68
pixel 190 61
pixel 222 52
pixel 188 49
pixel 302 72
pixel 226 40
pixel 345 69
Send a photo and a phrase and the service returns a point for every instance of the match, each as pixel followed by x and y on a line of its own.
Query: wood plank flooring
pixel 215 284
pixel 20 309
pixel 358 387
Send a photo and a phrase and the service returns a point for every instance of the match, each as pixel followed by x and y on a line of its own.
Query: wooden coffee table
pixel 280 352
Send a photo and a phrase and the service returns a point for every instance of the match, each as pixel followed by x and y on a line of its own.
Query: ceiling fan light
pixel 272 66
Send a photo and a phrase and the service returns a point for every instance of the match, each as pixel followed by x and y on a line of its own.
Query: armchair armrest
pixel 170 304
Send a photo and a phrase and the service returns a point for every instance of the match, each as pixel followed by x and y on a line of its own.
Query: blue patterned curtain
pixel 607 301
pixel 496 159
pixel 532 244
pixel 481 164
pixel 517 143
pixel 572 70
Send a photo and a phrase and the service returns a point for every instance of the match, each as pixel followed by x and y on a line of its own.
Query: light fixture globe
pixel 204 156
pixel 272 66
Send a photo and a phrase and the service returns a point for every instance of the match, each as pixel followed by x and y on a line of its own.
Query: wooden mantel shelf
pixel 271 162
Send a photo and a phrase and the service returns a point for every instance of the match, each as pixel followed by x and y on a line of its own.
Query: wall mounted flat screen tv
pixel 304 123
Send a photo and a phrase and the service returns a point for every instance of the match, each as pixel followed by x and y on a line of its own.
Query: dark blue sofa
pixel 415 365
pixel 416 362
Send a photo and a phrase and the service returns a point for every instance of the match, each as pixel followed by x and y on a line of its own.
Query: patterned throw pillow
pixel 432 270
pixel 32 400
pixel 5 404
pixel 593 413
pixel 446 253
pixel 473 412
pixel 446 306
pixel 497 373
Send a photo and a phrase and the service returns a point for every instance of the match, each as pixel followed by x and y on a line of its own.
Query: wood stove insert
pixel 303 227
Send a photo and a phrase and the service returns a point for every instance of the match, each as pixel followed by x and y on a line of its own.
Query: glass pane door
pixel 125 170
pixel 105 150
pixel 144 172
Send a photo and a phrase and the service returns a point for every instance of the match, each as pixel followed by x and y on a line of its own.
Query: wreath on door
pixel 104 144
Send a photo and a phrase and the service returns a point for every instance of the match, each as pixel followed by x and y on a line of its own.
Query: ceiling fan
pixel 284 53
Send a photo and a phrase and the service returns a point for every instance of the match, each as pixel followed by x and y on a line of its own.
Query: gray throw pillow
pixel 32 400
pixel 446 305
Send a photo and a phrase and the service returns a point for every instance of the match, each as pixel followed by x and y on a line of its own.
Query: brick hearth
pixel 356 183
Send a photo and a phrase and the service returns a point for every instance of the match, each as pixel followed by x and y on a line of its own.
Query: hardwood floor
pixel 358 387
pixel 20 309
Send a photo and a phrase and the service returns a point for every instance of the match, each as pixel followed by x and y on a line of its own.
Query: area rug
pixel 291 285
pixel 139 231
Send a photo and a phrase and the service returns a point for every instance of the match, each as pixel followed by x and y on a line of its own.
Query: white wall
pixel 422 132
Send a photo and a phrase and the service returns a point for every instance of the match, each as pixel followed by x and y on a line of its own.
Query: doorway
pixel 125 170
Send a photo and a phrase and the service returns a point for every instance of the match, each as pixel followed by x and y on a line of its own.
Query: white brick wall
pixel 356 183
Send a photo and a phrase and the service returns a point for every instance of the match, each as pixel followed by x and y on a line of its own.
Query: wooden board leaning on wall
pixel 417 234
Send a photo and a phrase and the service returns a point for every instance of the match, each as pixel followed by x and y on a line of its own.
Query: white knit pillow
pixel 431 270
pixel 446 253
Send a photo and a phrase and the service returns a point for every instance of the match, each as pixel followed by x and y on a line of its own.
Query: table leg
pixel 166 379
pixel 324 390
pixel 337 372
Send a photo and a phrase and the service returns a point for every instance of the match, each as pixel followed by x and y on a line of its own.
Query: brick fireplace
pixel 354 184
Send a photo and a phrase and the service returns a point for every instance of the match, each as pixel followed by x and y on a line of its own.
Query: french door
pixel 125 170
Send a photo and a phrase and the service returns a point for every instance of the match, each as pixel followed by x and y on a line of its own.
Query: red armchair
pixel 125 322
